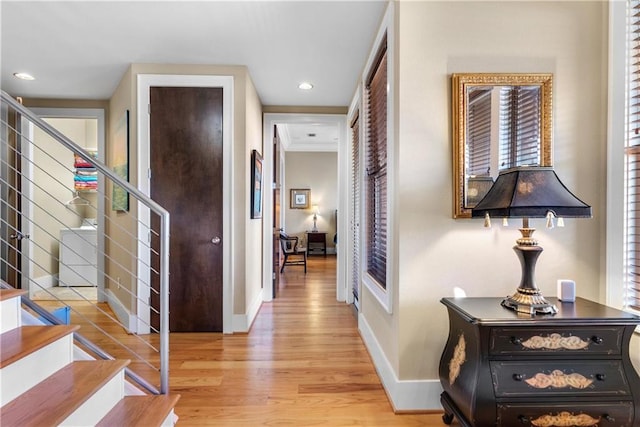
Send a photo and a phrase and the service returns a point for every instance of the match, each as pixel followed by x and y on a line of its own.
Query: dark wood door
pixel 12 212
pixel 186 179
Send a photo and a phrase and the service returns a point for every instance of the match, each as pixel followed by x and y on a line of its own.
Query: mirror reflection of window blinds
pixel 479 132
pixel 519 126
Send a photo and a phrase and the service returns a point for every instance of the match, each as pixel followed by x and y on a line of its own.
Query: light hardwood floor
pixel 303 363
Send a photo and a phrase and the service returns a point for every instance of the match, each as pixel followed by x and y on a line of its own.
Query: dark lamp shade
pixel 530 192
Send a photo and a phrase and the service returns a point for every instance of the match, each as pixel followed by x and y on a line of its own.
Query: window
pixel 355 208
pixel 376 167
pixel 631 273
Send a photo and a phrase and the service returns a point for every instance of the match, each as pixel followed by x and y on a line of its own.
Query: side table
pixel 316 242
pixel 573 368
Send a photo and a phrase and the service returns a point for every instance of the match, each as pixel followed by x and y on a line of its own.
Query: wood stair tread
pixel 51 401
pixel 6 294
pixel 20 342
pixel 140 411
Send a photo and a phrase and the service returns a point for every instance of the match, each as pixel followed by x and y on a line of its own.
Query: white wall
pixel 437 253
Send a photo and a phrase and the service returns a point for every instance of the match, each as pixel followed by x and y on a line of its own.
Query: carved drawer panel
pixel 609 414
pixel 559 378
pixel 511 341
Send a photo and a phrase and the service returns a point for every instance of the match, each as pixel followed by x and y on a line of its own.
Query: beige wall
pixel 435 252
pixel 318 172
pixel 120 266
pixel 253 238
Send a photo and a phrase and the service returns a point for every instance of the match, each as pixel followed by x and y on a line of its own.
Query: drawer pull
pixel 609 418
pixel 601 377
pixel 516 341
pixel 524 420
pixel 596 339
pixel 518 377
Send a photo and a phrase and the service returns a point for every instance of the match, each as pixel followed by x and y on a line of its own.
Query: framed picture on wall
pixel 300 198
pixel 256 185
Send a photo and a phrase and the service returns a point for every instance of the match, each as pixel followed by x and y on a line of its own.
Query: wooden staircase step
pixel 53 400
pixel 10 313
pixel 20 342
pixel 140 411
pixel 6 294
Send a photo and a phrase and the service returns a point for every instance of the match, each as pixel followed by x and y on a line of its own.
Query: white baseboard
pixel 122 313
pixel 405 395
pixel 243 322
pixel 45 282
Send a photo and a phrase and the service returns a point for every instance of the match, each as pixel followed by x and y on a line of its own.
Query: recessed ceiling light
pixel 24 76
pixel 305 86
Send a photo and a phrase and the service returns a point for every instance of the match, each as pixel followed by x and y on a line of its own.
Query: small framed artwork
pixel 256 185
pixel 300 198
pixel 120 196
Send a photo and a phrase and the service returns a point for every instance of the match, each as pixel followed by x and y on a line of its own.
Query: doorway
pixel 86 127
pixel 270 123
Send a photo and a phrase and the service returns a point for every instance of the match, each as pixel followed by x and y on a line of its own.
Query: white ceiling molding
pixel 309 136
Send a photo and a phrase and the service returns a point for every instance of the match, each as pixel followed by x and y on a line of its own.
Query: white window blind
pixel 355 208
pixel 632 162
pixel 376 163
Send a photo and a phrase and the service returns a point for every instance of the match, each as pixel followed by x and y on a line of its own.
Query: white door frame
pixel 270 120
pixel 145 82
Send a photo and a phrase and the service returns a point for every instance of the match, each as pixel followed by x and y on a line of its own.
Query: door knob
pixel 216 240
pixel 19 236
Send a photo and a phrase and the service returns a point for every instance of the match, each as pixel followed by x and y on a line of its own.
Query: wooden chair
pixel 290 248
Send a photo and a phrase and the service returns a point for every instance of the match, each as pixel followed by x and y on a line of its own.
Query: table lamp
pixel 529 192
pixel 316 211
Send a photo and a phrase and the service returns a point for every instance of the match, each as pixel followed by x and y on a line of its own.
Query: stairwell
pixel 42 385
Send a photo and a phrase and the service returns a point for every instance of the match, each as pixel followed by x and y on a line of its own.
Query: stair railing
pixel 36 202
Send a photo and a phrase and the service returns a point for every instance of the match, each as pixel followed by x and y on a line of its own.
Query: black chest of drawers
pixel 500 368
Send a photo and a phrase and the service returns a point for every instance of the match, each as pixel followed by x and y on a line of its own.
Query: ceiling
pixel 81 49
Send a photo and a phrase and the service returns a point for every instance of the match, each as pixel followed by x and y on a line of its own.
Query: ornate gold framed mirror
pixel 499 121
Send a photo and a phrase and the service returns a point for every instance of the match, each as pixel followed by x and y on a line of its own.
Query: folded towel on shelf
pixel 79 162
pixel 86 178
pixel 87 171
pixel 83 186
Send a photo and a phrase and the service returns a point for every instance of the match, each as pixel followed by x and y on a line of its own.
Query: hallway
pixel 302 364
